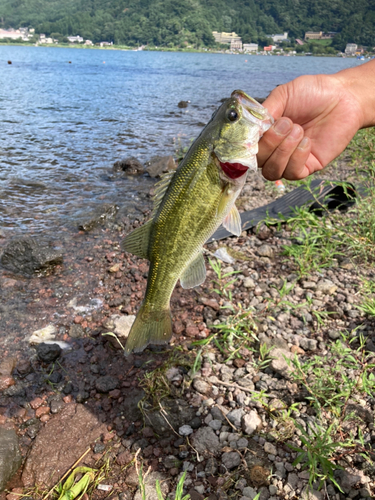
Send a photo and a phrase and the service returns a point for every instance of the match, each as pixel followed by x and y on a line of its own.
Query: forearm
pixel 360 81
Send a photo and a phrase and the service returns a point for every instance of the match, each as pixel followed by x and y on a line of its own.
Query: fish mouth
pixel 233 170
pixel 253 111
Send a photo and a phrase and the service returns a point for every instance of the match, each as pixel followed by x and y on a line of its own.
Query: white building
pixel 280 37
pixel 236 45
pixel 351 49
pixel 75 39
pixel 250 47
pixel 226 38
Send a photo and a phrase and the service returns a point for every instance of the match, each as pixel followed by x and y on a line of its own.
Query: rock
pixel 183 104
pixel 120 325
pixel 206 441
pixel 99 217
pixel 235 416
pixel 59 444
pixel 349 478
pixel 334 334
pixel 128 165
pixel 185 430
pixel 30 256
pixel 7 366
pixel 265 251
pixel 176 411
pixel 10 456
pixel 249 492
pixel 150 487
pixel 278 363
pixel 308 344
pixel 231 459
pixel 310 494
pixel 249 283
pixel 363 413
pixel 326 286
pixel 76 331
pixel 201 386
pixel 250 422
pixel 211 466
pixel 159 165
pixel 48 352
pixel 106 383
pixel 270 448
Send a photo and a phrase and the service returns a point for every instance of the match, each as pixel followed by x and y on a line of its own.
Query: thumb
pixel 277 100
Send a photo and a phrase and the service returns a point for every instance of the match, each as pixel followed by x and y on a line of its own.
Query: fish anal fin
pixel 137 241
pixel 194 274
pixel 149 327
pixel 232 222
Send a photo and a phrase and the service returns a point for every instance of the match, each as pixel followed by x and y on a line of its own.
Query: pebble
pixel 231 459
pixel 185 430
pixel 48 352
pixel 250 422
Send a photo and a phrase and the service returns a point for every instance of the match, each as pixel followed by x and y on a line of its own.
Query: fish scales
pixel 200 196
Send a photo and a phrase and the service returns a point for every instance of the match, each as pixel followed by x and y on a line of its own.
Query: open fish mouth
pixel 256 114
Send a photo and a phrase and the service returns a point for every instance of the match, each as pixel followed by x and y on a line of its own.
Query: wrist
pixel 360 83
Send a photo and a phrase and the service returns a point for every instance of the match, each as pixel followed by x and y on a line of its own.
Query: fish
pixel 190 203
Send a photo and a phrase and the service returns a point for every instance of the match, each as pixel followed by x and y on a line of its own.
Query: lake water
pixel 66 115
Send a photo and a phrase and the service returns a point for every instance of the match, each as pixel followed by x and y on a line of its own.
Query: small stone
pixel 36 403
pixel 211 466
pixel 235 416
pixel 265 251
pixel 48 352
pixel 56 405
pixel 185 430
pixel 201 386
pixel 215 424
pixel 76 331
pixel 278 363
pixel 250 422
pixel 270 448
pixel 326 286
pixel 249 492
pixel 42 410
pixel 249 283
pixel 106 383
pixel 206 441
pixel 231 459
pixel 10 456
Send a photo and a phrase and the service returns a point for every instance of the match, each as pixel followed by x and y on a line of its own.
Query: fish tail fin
pixel 149 327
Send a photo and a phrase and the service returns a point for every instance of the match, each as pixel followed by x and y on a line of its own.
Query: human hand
pixel 315 119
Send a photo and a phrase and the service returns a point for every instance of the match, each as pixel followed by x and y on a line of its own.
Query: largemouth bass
pixel 189 205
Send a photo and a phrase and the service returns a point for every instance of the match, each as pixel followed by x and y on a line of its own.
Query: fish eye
pixel 232 115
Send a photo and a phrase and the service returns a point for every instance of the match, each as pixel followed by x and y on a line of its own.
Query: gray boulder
pixel 29 255
pixel 160 164
pixel 10 456
pixel 128 165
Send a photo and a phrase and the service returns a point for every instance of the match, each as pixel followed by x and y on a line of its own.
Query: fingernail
pixel 282 127
pixel 304 143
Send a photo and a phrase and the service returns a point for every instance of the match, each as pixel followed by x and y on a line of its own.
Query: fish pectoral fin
pixel 195 273
pixel 232 222
pixel 137 241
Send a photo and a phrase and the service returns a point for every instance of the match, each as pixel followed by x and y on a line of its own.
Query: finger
pixel 277 163
pixel 296 168
pixel 272 139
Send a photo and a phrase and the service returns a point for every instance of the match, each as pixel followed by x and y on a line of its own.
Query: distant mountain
pixel 191 22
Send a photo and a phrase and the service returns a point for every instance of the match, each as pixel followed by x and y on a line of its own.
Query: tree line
pixel 184 23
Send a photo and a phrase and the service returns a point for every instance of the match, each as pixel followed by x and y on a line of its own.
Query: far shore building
pixel 319 35
pixel 280 37
pixel 236 45
pixel 75 39
pixel 351 49
pixel 105 44
pixel 88 42
pixel 299 42
pixel 20 34
pixel 269 48
pixel 250 47
pixel 226 38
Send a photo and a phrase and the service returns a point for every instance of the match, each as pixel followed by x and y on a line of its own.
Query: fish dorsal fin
pixel 137 241
pixel 161 188
pixel 194 274
pixel 232 222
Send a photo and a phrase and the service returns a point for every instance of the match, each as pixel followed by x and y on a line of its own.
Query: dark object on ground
pixel 159 165
pixel 10 456
pixel 129 165
pixel 9 62
pixel 183 104
pixel 29 255
pixel 321 195
pixel 48 352
pixel 102 215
